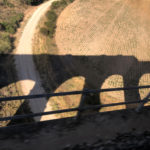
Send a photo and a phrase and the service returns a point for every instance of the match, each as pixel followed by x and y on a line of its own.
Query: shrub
pixel 55 5
pixel 51 15
pixel 51 30
pixel 5 43
pixel 48 31
pixel 12 24
pixel 10 27
pixel 50 23
pixel 63 2
pixel 44 31
pixel 71 1
pixel 58 4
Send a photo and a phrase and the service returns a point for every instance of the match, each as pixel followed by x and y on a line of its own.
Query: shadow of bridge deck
pixel 95 70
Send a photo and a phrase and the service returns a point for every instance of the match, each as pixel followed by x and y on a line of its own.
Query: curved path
pixel 28 76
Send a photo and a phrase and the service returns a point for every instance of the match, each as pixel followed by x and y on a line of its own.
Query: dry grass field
pixel 97 44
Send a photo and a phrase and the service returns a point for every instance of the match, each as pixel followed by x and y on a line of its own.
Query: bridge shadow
pixel 95 70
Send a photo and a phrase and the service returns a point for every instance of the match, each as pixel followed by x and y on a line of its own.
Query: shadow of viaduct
pixel 95 70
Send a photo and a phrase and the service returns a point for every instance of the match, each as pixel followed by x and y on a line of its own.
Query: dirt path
pixel 28 76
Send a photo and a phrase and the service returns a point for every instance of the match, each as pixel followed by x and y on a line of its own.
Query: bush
pixel 55 5
pixel 9 27
pixel 51 30
pixel 50 23
pixel 12 24
pixel 44 31
pixel 51 15
pixel 5 43
pixel 71 1
pixel 48 31
pixel 58 4
pixel 63 2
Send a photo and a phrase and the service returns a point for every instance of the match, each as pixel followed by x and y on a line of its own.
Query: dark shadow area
pixel 36 2
pixel 101 127
pixel 127 119
pixel 23 109
pixel 95 70
pixel 7 73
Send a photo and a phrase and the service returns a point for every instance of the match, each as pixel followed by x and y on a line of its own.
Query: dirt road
pixel 28 76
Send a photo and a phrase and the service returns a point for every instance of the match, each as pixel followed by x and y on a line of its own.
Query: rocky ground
pixel 128 141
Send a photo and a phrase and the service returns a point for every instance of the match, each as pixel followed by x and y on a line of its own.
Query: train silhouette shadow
pixel 95 70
